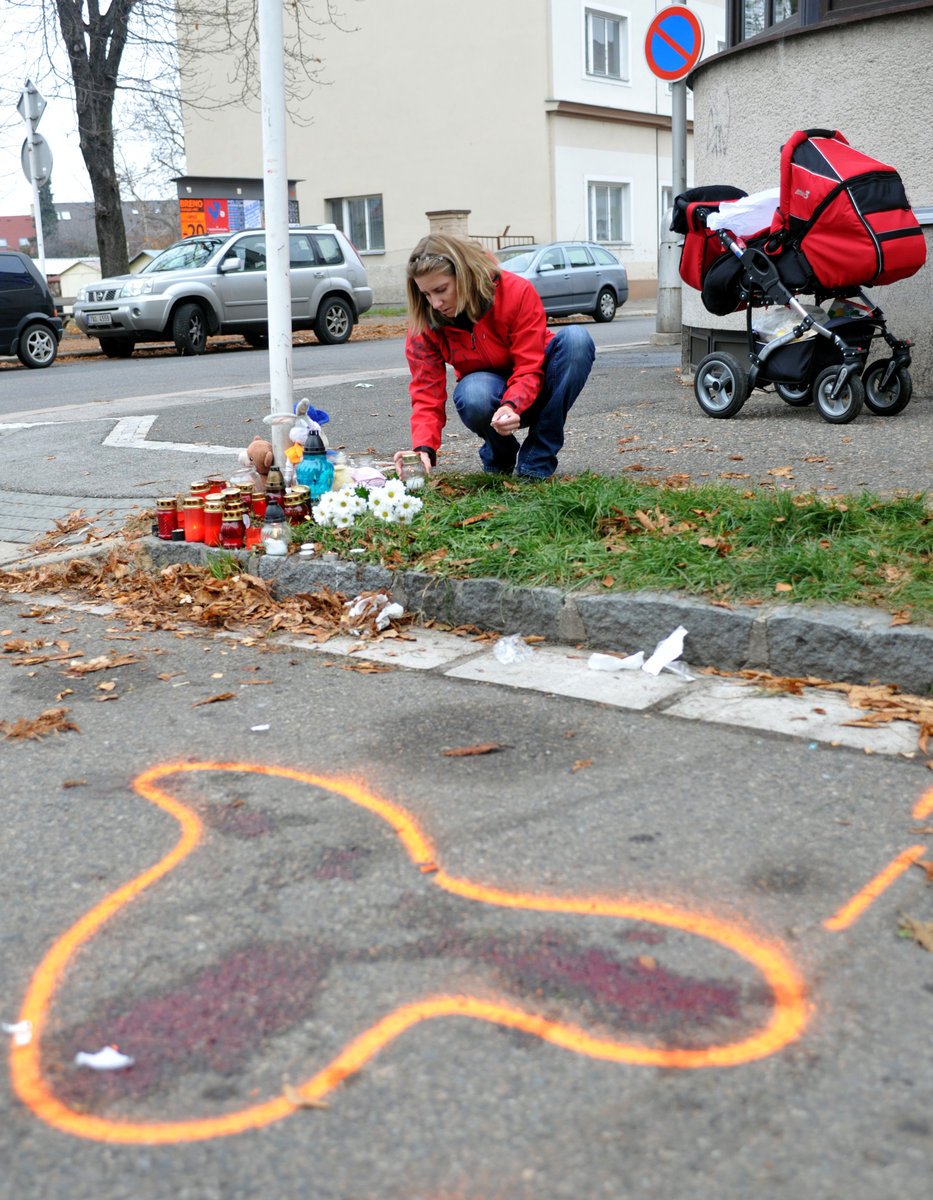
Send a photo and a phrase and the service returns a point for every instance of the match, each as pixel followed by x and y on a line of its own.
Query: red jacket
pixel 508 339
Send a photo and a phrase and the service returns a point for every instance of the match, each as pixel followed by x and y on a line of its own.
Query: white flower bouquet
pixel 391 503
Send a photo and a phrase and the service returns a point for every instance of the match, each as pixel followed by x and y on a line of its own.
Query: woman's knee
pixel 575 341
pixel 477 396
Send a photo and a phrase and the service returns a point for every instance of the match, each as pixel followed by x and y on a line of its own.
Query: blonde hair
pixel 474 270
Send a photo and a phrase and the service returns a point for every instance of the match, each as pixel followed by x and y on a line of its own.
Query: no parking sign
pixel 674 43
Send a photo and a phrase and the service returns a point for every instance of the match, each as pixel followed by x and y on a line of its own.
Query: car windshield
pixel 517 260
pixel 189 253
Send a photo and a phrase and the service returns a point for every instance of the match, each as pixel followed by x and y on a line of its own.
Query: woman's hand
pixel 505 420
pixel 425 458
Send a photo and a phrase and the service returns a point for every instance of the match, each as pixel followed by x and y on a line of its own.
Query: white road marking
pixel 130 433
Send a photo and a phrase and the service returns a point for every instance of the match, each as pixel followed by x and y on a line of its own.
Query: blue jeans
pixel 568 360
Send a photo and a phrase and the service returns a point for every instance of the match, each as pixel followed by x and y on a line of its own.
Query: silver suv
pixel 217 284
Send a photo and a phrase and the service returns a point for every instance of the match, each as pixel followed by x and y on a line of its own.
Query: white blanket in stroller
pixel 748 215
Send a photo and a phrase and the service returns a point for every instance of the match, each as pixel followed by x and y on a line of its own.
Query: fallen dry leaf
pixel 221 696
pixel 783 587
pixel 483 516
pixel 919 931
pixel 35 660
pixel 51 720
pixel 479 748
pixel 22 645
pixel 781 472
pixel 73 783
pixel 581 764
pixel 103 662
pixel 74 522
pixel 294 1097
pixel 364 667
pixel 926 867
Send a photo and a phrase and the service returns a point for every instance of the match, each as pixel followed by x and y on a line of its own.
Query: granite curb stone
pixel 841 644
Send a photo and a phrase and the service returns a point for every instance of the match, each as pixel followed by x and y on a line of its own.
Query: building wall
pixel 870 80
pixel 451 105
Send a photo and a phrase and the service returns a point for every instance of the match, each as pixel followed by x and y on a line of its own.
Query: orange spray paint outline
pixel 787 1021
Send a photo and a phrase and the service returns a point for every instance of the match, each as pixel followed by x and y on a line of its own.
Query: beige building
pixel 536 117
pixel 858 66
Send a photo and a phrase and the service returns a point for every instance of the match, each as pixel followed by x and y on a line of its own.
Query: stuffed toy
pixel 259 458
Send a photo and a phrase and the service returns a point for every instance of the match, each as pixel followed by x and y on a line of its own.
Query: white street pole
pixel 31 106
pixel 275 200
pixel 36 205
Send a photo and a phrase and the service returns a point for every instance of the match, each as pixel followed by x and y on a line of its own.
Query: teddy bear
pixel 259 458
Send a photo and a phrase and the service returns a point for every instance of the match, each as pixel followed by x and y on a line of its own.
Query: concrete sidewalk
pixel 636 415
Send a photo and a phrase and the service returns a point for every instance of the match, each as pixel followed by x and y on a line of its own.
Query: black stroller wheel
pixel 720 385
pixel 796 397
pixel 845 407
pixel 886 399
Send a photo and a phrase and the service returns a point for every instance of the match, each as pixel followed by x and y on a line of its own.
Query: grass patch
pixel 388 310
pixel 591 533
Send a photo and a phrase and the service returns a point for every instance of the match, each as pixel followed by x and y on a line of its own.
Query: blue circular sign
pixel 674 43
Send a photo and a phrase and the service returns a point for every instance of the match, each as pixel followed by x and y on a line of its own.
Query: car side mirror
pixel 230 263
pixel 546 267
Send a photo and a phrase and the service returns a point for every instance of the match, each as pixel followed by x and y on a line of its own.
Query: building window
pixel 608 205
pixel 4 242
pixel 758 16
pixel 606 45
pixel 24 241
pixel 360 218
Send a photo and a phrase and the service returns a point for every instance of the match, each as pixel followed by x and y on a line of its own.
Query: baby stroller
pixel 840 222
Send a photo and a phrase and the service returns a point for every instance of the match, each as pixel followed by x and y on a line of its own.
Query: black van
pixel 30 327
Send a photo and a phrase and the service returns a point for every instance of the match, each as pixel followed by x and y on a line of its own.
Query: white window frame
pixel 595 181
pixel 340 212
pixel 603 13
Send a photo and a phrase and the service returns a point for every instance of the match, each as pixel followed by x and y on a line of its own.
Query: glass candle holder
pixel 232 531
pixel 194 519
pixel 276 531
pixel 411 471
pixel 166 518
pixel 213 519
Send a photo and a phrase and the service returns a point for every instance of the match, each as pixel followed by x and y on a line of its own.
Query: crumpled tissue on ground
pixel 107 1059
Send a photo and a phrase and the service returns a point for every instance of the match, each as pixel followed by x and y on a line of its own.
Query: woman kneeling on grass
pixel 512 371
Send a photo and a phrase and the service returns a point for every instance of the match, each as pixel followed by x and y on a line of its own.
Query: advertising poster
pixel 215 216
pixel 191 213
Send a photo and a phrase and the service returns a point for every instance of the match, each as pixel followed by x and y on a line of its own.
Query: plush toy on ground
pixel 259 458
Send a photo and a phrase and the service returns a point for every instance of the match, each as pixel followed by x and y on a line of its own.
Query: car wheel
pixel 259 341
pixel 117 347
pixel 37 346
pixel 189 329
pixel 720 385
pixel 334 322
pixel 605 306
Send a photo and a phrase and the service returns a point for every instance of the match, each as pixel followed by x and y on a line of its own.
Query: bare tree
pixel 117 49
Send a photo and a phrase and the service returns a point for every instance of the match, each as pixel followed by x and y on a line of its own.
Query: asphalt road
pixel 617 982
pixel 636 415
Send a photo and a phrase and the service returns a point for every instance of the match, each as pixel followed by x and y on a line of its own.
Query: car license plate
pixel 99 319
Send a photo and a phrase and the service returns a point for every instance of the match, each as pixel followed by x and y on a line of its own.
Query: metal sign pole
pixel 673 46
pixel 275 202
pixel 31 106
